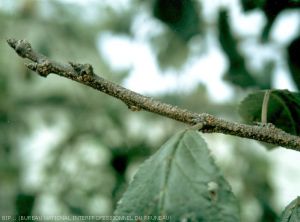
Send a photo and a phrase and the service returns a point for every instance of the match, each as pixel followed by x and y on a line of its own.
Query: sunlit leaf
pixel 180 181
pixel 283 109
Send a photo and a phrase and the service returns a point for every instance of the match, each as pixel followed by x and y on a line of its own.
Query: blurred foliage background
pixel 68 150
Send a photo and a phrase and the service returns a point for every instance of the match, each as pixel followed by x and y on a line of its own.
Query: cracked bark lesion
pixel 84 74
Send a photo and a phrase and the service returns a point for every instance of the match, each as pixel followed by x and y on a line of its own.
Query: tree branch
pixel 84 74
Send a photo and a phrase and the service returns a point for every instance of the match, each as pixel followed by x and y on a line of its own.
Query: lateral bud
pixel 82 69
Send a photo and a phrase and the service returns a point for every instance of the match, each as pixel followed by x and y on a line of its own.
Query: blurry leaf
pixel 254 172
pixel 119 162
pixel 237 72
pixel 238 75
pixel 271 9
pixel 293 51
pixel 24 204
pixel 171 51
pixel 3 84
pixel 180 181
pixel 4 116
pixel 283 109
pixel 74 210
pixel 266 74
pixel 181 16
pixel 226 38
pixel 252 4
pixel 292 212
pixel 120 22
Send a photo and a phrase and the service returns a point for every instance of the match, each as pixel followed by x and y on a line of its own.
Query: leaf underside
pixel 283 109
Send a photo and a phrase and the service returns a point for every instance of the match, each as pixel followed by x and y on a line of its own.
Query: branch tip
pixel 22 47
pixel 12 43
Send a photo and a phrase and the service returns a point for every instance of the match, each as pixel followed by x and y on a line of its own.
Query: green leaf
pixel 182 16
pixel 237 73
pixel 293 52
pixel 180 181
pixel 283 109
pixel 172 53
pixel 252 4
pixel 292 212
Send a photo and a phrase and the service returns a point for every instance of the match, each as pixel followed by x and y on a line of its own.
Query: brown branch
pixel 84 74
